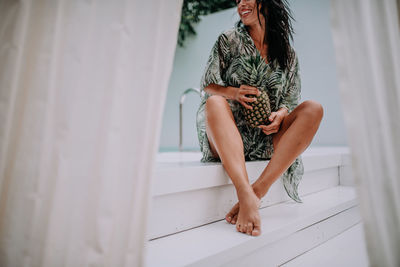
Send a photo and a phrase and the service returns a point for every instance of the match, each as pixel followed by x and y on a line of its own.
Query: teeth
pixel 245 12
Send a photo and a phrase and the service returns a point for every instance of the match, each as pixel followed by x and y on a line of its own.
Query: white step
pixel 348 249
pixel 204 192
pixel 288 229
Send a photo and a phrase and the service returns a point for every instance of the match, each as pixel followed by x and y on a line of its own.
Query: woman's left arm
pixel 291 97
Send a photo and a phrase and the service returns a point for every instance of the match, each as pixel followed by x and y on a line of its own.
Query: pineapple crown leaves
pixel 255 70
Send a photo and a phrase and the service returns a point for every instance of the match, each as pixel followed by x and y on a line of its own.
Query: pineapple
pixel 260 112
pixel 254 74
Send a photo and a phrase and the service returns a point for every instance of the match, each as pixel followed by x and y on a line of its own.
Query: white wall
pixel 313 43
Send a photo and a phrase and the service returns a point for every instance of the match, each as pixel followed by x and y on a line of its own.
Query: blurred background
pixel 312 41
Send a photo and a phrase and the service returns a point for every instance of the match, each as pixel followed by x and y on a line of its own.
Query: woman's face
pixel 247 10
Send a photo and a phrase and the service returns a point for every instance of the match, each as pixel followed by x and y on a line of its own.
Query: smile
pixel 245 13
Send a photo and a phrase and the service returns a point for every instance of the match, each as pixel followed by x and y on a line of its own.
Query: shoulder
pixel 229 35
pixel 229 32
pixel 229 41
pixel 294 62
pixel 295 59
pixel 225 43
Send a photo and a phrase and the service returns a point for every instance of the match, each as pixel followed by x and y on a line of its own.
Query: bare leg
pixel 226 141
pixel 294 136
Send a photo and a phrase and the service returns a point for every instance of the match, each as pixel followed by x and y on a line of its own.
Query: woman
pixel 263 32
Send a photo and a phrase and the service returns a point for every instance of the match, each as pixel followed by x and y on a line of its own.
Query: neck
pixel 257 32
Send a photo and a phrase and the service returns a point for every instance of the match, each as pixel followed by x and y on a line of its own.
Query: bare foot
pixel 231 216
pixel 248 219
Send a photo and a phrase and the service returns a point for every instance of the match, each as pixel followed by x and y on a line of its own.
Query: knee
pixel 313 109
pixel 215 102
pixel 217 107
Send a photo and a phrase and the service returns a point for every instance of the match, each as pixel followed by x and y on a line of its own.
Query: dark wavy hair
pixel 278 30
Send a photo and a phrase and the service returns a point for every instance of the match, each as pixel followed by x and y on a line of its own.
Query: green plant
pixel 192 10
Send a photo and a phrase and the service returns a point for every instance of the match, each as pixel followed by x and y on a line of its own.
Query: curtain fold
pixel 82 91
pixel 366 36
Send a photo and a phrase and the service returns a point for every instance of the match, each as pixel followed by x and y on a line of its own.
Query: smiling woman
pixel 255 57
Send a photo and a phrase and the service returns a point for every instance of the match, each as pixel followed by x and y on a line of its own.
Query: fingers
pixel 269 129
pixel 270 132
pixel 246 105
pixel 272 116
pixel 247 89
pixel 249 99
pixel 244 99
pixel 245 86
pixel 274 126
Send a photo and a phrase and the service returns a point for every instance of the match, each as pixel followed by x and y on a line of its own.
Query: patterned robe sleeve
pixel 292 177
pixel 216 65
pixel 291 97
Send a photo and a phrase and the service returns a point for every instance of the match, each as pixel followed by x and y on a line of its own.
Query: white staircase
pixel 190 200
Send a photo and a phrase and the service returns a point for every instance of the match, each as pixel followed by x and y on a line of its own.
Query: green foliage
pixel 192 10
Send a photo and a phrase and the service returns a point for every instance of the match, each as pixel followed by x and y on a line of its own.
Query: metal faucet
pixel 183 96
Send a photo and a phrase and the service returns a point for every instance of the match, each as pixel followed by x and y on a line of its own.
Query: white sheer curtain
pixel 367 42
pixel 82 90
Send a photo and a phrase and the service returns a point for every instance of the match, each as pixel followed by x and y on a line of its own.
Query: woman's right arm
pixel 212 82
pixel 225 91
pixel 234 93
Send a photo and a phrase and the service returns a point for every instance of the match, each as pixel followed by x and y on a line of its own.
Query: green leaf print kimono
pixel 232 60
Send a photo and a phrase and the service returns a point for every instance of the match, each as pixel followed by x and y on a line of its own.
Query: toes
pixel 229 216
pixel 249 228
pixel 234 220
pixel 240 227
pixel 256 231
pixel 232 213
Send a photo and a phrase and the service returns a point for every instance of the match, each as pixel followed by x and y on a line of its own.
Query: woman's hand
pixel 276 118
pixel 242 91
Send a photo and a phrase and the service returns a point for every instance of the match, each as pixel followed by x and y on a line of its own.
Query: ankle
pixel 244 192
pixel 259 190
